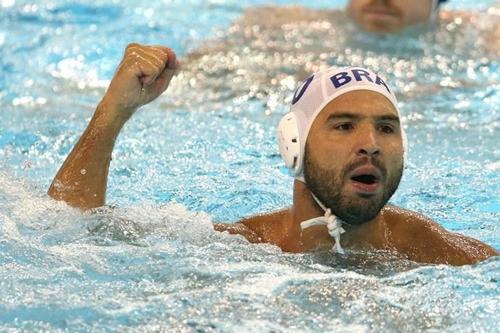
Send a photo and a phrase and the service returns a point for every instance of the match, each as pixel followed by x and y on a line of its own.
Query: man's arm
pixel 487 23
pixel 143 74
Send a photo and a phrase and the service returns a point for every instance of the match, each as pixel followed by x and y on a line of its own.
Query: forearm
pixel 81 181
pixel 143 74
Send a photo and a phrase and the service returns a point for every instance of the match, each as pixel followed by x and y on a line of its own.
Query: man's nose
pixel 369 151
pixel 368 145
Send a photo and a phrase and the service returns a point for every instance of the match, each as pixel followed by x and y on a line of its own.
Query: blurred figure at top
pixel 388 16
pixel 375 16
pixel 422 47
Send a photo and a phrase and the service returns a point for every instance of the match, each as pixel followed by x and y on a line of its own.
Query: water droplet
pixel 83 171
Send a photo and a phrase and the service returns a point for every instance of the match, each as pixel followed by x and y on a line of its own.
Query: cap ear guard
pixel 289 141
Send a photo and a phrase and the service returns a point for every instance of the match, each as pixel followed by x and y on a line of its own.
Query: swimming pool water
pixel 205 152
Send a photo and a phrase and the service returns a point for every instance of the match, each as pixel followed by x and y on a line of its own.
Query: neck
pixel 304 205
pixel 371 234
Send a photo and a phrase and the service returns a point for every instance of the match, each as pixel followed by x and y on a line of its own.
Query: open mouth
pixel 365 179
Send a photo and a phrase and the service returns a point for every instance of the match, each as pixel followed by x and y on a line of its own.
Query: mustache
pixel 365 161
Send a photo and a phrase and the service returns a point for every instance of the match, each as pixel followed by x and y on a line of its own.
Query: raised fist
pixel 143 74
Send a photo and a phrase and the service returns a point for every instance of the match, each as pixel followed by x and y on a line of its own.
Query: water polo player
pixel 343 141
pixel 392 15
pixel 378 16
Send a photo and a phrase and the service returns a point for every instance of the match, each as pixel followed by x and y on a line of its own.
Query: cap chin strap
pixel 333 224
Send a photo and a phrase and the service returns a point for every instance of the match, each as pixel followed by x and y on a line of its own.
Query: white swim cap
pixel 311 97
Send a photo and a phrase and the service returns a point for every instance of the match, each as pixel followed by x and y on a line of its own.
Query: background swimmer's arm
pixel 277 16
pixel 143 74
pixel 423 240
pixel 487 23
pixel 263 20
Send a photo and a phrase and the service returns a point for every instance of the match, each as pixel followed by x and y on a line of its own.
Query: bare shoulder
pixel 448 16
pixel 262 228
pixel 424 240
pixel 239 229
pixel 267 226
pixel 263 17
pixel 273 16
pixel 404 220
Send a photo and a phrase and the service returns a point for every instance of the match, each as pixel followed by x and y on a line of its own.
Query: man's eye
pixel 386 129
pixel 344 127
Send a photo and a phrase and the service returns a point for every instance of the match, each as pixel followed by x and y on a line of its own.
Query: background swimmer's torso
pixel 209 145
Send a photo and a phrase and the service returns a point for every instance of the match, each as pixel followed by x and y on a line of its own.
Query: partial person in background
pixel 390 16
pixel 375 16
pixel 379 16
pixel 421 46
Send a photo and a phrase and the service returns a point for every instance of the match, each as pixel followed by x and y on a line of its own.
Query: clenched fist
pixel 143 74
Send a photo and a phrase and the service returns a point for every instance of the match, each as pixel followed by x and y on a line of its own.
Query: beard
pixel 356 209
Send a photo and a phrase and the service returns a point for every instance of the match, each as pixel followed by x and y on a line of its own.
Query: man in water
pixel 392 15
pixel 343 140
pixel 268 48
pixel 379 16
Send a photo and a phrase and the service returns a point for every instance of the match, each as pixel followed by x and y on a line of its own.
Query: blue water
pixel 205 152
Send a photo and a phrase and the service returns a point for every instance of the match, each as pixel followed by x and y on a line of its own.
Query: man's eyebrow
pixel 350 115
pixel 389 117
pixel 343 115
